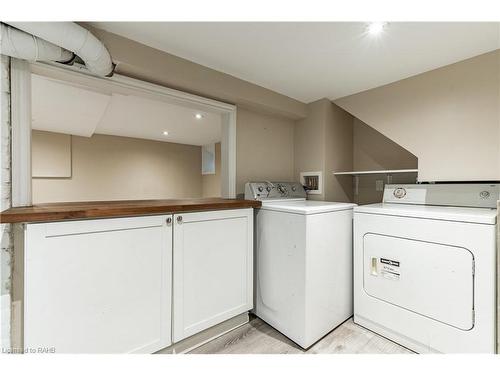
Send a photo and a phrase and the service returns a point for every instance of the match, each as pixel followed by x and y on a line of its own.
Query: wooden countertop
pixel 103 209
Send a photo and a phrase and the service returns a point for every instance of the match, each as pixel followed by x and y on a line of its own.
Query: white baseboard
pixel 205 336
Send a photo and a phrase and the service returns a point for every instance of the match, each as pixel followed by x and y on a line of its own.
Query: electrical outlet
pixel 379 185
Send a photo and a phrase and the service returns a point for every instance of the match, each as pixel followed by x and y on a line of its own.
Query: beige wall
pixel 211 183
pixel 323 142
pixel 264 148
pixel 265 119
pixel 111 168
pixel 50 154
pixel 309 152
pixel 448 118
pixel 373 151
pixel 338 154
pixel 264 151
pixel 330 139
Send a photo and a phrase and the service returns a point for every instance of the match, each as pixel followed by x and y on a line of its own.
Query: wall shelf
pixel 388 171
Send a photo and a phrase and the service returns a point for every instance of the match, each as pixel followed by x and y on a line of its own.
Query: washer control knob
pixel 294 188
pixel 399 193
pixel 282 189
pixel 260 188
pixel 268 188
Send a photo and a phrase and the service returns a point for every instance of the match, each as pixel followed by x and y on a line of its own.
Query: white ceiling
pixel 310 61
pixel 64 108
pixel 136 117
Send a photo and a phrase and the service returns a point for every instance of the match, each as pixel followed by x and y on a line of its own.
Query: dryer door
pixel 430 279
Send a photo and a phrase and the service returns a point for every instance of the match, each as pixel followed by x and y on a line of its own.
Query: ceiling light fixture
pixel 198 116
pixel 376 28
pixel 165 133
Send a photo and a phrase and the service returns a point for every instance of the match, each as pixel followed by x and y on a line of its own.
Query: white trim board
pixel 79 76
pixel 20 83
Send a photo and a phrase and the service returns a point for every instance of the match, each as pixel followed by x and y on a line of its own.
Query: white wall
pixel 5 203
pixel 498 280
pixel 448 118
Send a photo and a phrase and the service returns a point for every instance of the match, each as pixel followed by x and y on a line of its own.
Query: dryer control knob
pixel 485 194
pixel 399 193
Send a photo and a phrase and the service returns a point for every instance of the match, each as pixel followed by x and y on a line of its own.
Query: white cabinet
pixel 105 286
pixel 98 286
pixel 213 269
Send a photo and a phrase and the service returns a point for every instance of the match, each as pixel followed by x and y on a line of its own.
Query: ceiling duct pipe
pixel 21 45
pixel 74 38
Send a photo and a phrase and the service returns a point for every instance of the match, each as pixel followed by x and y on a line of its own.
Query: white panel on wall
pixel 208 159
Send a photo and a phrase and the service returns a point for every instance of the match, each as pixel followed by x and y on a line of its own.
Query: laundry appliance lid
pixel 448 213
pixel 306 207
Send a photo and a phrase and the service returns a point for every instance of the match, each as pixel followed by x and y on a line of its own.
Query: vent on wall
pixel 312 181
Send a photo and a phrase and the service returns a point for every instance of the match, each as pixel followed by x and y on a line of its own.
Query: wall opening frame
pixel 78 75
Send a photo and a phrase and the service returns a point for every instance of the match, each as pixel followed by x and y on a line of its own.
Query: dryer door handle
pixel 374 270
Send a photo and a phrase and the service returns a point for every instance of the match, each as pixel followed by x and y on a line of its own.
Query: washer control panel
pixel 274 190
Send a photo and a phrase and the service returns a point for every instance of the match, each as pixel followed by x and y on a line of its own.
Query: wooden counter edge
pixel 109 209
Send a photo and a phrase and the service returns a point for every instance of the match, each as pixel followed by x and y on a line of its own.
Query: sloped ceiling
pixel 64 108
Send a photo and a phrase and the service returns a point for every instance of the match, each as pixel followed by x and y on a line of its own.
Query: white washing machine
pixel 303 261
pixel 425 267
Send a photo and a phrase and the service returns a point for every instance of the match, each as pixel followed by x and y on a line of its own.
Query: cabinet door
pixel 98 286
pixel 213 262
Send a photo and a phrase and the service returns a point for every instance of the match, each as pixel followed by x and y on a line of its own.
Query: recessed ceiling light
pixel 165 133
pixel 199 116
pixel 376 28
